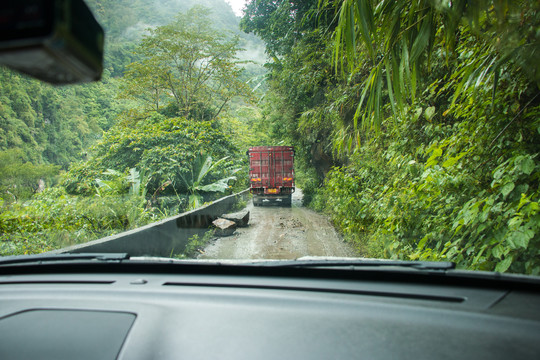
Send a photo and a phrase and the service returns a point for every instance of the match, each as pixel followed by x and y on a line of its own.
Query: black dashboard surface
pixel 204 316
pixel 64 334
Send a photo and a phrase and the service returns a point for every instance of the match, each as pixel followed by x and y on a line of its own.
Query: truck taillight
pixel 256 179
pixel 287 179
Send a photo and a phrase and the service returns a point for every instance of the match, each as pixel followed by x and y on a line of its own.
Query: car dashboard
pixel 170 311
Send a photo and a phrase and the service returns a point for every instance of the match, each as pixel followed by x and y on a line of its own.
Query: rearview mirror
pixel 57 41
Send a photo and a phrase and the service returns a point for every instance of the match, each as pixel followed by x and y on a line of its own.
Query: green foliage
pixel 279 23
pixel 187 66
pixel 53 125
pixel 195 245
pixel 239 205
pixel 126 21
pixel 245 126
pixel 19 179
pixel 133 174
pixel 464 189
pixel 450 171
pixel 54 219
pixel 202 170
pixel 302 82
pixel 164 148
pixel 399 39
pixel 115 183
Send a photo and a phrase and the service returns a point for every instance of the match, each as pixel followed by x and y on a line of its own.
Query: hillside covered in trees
pixel 416 124
pixel 163 131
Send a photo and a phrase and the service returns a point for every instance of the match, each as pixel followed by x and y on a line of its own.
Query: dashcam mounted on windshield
pixel 57 41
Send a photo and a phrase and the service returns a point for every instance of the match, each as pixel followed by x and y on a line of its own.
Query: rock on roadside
pixel 224 227
pixel 241 218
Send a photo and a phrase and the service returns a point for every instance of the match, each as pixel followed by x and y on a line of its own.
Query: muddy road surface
pixel 277 232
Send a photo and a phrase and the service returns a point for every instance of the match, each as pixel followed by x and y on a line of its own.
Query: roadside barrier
pixel 163 238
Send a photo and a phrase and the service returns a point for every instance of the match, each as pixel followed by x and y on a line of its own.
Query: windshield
pixel 270 129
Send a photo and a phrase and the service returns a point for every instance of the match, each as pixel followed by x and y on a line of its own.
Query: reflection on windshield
pixel 414 126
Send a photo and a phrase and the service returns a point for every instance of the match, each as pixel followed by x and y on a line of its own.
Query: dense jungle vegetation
pixel 416 124
pixel 165 130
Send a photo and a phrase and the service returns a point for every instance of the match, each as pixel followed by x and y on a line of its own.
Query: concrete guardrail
pixel 162 238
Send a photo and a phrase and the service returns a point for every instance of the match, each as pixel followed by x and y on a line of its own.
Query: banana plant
pixel 199 173
pixel 119 182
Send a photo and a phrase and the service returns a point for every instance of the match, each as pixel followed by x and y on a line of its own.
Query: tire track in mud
pixel 276 232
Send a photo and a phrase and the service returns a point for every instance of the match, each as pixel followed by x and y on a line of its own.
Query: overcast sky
pixel 237 6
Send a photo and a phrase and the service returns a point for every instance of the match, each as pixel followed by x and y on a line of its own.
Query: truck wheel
pixel 288 201
pixel 256 201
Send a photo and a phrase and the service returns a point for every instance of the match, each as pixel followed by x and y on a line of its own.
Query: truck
pixel 271 174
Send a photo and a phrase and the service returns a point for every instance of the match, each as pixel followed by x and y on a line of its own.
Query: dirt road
pixel 277 232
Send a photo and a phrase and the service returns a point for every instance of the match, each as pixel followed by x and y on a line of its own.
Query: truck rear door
pixel 281 167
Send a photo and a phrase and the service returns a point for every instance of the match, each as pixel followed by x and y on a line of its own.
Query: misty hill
pixel 126 21
pixel 56 125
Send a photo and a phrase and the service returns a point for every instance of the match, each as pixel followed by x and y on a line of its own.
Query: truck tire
pixel 256 201
pixel 288 201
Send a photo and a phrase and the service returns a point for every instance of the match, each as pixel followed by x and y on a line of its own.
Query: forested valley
pixel 416 124
pixel 165 130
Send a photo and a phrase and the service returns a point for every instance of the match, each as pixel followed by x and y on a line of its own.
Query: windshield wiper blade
pixel 39 258
pixel 360 263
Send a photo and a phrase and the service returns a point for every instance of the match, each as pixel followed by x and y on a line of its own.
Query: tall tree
pixel 279 23
pixel 188 67
pixel 296 38
pixel 162 148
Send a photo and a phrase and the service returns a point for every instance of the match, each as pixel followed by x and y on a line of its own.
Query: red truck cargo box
pixel 271 173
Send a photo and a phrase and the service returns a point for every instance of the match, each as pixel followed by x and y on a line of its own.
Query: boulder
pixel 224 227
pixel 241 218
